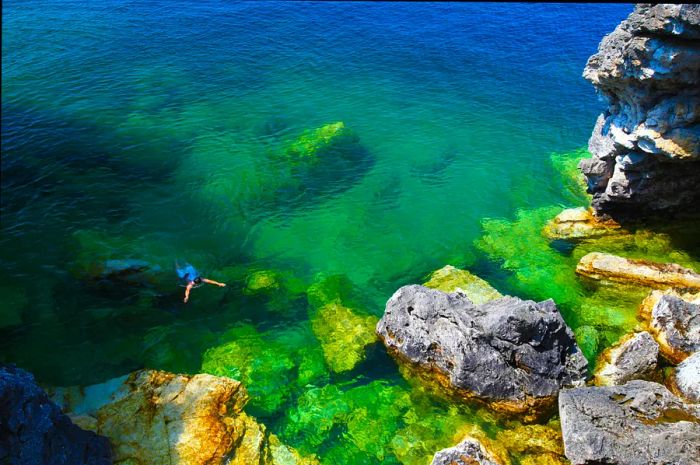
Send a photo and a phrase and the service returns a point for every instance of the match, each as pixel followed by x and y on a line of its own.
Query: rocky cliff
pixel 646 144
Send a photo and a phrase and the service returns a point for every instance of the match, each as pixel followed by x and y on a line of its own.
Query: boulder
pixel 673 318
pixel 580 223
pixel 513 354
pixel 451 279
pixel 468 452
pixel 632 357
pixel 33 430
pixel 639 423
pixel 155 417
pixel 686 378
pixel 646 144
pixel 606 267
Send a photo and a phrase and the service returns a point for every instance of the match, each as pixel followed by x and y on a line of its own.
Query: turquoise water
pixel 158 131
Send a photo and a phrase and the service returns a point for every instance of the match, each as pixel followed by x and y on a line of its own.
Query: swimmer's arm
pixel 209 281
pixel 187 291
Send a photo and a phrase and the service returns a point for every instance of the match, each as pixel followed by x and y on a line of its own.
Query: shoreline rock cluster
pixel 646 144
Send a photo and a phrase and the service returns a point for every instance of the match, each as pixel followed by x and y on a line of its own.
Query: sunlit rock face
pixel 633 357
pixel 34 431
pixel 468 452
pixel 513 354
pixel 646 144
pixel 686 378
pixel 637 423
pixel 155 417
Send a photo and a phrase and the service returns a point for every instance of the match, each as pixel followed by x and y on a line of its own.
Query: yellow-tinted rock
pixel 261 281
pixel 451 279
pixel 159 418
pixel 579 223
pixel 309 143
pixel 608 267
pixel 343 335
pixel 532 439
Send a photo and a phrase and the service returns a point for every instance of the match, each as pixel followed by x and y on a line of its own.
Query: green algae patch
pixel 272 366
pixel 451 279
pixel 311 142
pixel 261 281
pixel 343 335
pixel 573 181
pixel 587 338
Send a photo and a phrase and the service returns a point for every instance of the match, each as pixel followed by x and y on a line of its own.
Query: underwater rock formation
pixel 159 418
pixel 639 423
pixel 609 267
pixel 468 452
pixel 580 223
pixel 633 357
pixel 513 354
pixel 34 431
pixel 686 378
pixel 673 319
pixel 646 145
pixel 451 279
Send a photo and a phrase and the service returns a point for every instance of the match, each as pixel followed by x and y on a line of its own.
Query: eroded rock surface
pixel 468 452
pixel 154 417
pixel 646 144
pixel 34 431
pixel 639 423
pixel 608 267
pixel 673 319
pixel 580 223
pixel 513 354
pixel 633 357
pixel 686 379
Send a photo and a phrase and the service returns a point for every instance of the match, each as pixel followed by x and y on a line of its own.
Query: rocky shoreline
pixel 638 403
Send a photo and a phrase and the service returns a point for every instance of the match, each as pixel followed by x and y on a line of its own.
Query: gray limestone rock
pixel 514 354
pixel 675 323
pixel 686 379
pixel 646 145
pixel 634 357
pixel 468 452
pixel 33 430
pixel 639 423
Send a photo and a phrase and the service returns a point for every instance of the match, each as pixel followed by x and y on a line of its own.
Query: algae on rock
pixel 451 279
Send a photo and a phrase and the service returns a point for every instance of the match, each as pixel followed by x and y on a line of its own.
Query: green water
pixel 161 133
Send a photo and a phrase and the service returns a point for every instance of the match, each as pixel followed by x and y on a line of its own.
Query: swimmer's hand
pixel 185 299
pixel 222 285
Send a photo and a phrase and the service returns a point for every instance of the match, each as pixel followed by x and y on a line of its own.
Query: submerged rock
pixel 312 141
pixel 261 281
pixel 646 145
pixel 673 319
pixel 633 357
pixel 154 417
pixel 34 431
pixel 451 279
pixel 468 452
pixel 513 354
pixel 608 267
pixel 580 223
pixel 686 378
pixel 639 423
pixel 343 335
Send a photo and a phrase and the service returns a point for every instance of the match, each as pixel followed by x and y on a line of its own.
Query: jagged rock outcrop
pixel 468 452
pixel 513 354
pixel 639 423
pixel 686 378
pixel 646 145
pixel 633 357
pixel 34 431
pixel 673 318
pixel 159 418
pixel 607 267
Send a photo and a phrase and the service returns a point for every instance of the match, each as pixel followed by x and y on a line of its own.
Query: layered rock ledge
pixel 639 423
pixel 513 354
pixel 160 418
pixel 646 144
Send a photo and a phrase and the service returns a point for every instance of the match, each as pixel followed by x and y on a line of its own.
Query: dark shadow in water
pixel 433 172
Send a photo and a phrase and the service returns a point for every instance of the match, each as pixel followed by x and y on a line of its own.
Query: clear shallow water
pixel 153 131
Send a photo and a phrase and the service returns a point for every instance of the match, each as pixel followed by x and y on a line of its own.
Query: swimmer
pixel 191 278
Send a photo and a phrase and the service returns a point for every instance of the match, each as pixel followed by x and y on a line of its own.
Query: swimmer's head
pixel 197 280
